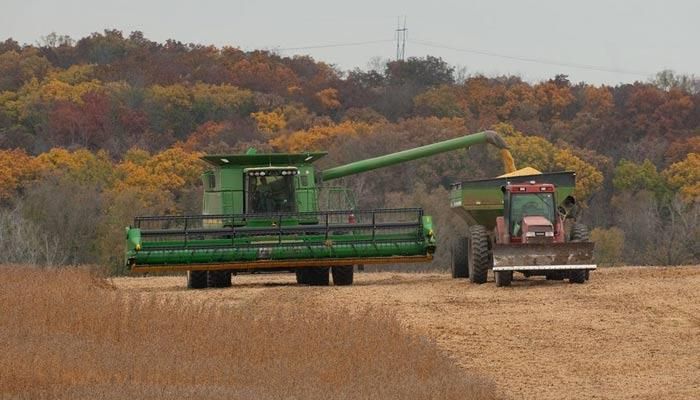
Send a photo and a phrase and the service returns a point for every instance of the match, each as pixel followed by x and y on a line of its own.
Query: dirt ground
pixel 631 333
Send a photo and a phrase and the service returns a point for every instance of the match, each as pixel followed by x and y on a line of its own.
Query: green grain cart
pixel 275 212
pixel 520 223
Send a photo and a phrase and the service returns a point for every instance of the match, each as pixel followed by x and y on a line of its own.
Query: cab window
pixel 529 204
pixel 270 193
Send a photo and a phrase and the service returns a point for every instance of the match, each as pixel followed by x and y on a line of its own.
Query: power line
pixel 323 46
pixel 532 60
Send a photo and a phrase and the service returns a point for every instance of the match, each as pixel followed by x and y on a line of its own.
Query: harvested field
pixel 628 333
pixel 71 335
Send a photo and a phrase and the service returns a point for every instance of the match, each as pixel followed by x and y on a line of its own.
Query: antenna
pixel 400 39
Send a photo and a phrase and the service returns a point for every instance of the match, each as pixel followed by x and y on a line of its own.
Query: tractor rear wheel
pixel 342 276
pixel 219 279
pixel 580 233
pixel 460 267
pixel 478 254
pixel 503 278
pixel 196 279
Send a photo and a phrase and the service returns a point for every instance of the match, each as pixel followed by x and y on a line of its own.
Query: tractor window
pixel 526 204
pixel 270 193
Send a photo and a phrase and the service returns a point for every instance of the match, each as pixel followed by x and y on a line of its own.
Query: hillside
pixel 111 125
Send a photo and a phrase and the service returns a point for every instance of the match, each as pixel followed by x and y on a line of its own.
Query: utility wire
pixel 323 46
pixel 531 60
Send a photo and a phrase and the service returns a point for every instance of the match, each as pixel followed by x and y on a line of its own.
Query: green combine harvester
pixel 274 212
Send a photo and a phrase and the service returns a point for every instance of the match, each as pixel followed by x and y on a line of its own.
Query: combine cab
pixel 523 223
pixel 263 212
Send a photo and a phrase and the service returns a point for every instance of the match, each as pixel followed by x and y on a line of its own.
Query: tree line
pixel 115 124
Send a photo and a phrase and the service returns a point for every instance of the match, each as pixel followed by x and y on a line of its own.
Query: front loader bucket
pixel 543 256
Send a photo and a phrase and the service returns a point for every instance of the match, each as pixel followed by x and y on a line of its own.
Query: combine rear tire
pixel 460 267
pixel 219 279
pixel 478 254
pixel 503 278
pixel 314 276
pixel 342 276
pixel 196 279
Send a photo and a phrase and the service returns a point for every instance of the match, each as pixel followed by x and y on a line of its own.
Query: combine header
pixel 272 212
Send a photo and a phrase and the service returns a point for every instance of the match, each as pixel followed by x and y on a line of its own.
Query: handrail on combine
pixel 326 225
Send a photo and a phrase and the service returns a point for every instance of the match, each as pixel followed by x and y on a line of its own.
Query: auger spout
pixel 413 154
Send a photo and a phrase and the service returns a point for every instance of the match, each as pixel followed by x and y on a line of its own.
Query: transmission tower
pixel 401 39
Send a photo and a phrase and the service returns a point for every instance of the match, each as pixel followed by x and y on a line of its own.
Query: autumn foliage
pixel 126 119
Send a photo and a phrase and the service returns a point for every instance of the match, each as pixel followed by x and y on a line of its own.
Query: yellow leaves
pixel 319 137
pixel 16 168
pixel 169 170
pixel 75 74
pixel 81 164
pixel 269 122
pixel 684 176
pixel 539 153
pixel 221 96
pixel 174 95
pixel 55 90
pixel 588 178
pixel 328 98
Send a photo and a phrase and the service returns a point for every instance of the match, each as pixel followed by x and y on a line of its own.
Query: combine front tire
pixel 301 276
pixel 342 276
pixel 503 278
pixel 196 279
pixel 219 279
pixel 460 267
pixel 478 254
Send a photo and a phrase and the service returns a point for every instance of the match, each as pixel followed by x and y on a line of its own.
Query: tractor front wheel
pixel 503 278
pixel 577 276
pixel 478 254
pixel 342 276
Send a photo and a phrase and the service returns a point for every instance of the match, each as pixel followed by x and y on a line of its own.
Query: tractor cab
pixel 530 213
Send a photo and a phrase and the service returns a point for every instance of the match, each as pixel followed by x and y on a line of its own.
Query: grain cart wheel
pixel 196 279
pixel 503 278
pixel 579 233
pixel 459 267
pixel 219 279
pixel 478 254
pixel 342 276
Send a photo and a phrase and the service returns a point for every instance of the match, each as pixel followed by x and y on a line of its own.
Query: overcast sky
pixel 536 39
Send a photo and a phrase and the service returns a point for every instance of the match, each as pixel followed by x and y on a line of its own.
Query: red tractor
pixel 526 228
